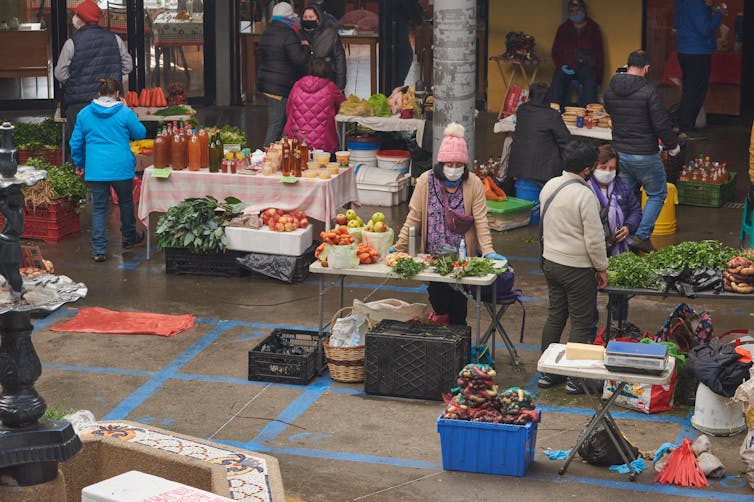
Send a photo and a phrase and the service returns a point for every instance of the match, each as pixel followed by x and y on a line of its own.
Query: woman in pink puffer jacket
pixel 312 105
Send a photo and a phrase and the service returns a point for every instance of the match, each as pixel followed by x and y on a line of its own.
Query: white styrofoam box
pixel 390 194
pixel 264 240
pixel 135 486
pixel 372 175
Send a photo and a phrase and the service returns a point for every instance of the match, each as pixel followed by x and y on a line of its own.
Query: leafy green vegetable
pixel 62 180
pixel 477 267
pixel 198 224
pixel 408 267
pixel 628 270
pixel 444 265
pixel 380 105
pixel 232 136
pixel 36 135
pixel 175 110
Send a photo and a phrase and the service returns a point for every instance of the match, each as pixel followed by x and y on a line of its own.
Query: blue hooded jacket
pixel 101 140
pixel 695 27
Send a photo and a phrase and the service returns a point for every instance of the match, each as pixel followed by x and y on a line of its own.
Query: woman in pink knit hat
pixel 449 185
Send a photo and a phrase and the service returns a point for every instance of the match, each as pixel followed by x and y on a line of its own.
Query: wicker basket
pixel 346 364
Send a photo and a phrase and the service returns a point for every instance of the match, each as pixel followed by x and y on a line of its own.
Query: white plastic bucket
pixel 370 175
pixel 394 160
pixel 717 415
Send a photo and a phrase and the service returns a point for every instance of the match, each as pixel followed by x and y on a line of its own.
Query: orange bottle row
pixel 180 147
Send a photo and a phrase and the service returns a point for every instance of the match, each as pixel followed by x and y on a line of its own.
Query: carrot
pixel 161 97
pixel 144 98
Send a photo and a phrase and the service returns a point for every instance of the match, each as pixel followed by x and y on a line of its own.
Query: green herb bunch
pixel 408 267
pixel 230 135
pixel 198 224
pixel 33 136
pixel 62 181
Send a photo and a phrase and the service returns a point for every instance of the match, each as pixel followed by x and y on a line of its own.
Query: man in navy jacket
pixel 695 26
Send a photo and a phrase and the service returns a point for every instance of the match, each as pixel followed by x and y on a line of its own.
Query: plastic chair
pixel 747 224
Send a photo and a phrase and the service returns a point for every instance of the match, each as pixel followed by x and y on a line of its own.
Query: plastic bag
pixel 598 449
pixel 343 256
pixel 288 269
pixel 389 308
pixel 379 241
pixel 348 331
pixel 643 397
pixel 747 456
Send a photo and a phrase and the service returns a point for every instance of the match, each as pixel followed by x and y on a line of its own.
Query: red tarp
pixel 99 320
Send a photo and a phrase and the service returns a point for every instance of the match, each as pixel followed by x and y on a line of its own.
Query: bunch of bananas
pixel 142 146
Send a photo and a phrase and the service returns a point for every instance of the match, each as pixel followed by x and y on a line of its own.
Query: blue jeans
pixel 560 90
pixel 647 171
pixel 100 202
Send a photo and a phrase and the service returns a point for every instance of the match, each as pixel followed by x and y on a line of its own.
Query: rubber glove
pixel 557 454
pixel 675 151
pixel 391 250
pixel 567 70
pixel 495 256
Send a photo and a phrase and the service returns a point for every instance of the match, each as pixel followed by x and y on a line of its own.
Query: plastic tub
pixel 380 187
pixel 509 213
pixel 666 221
pixel 717 415
pixel 529 190
pixel 394 160
pixel 343 157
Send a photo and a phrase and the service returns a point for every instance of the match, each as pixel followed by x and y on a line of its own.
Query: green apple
pixel 370 226
pixel 353 224
pixel 361 222
pixel 378 217
pixel 380 227
pixel 351 215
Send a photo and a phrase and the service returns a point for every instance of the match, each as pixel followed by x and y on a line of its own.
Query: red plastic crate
pixel 57 210
pixel 53 156
pixel 51 231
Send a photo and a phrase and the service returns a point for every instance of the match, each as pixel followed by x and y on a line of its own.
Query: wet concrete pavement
pixel 333 441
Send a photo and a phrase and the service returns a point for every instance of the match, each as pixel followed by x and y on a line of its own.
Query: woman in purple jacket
pixel 312 106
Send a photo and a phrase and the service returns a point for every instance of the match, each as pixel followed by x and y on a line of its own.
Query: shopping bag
pixel 747 456
pixel 379 241
pixel 343 256
pixel 745 394
pixel 389 308
pixel 516 96
pixel 643 397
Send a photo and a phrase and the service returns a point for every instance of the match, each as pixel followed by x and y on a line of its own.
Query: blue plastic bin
pixel 529 190
pixel 487 448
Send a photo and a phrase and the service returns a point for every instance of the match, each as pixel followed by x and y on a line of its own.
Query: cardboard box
pixel 143 161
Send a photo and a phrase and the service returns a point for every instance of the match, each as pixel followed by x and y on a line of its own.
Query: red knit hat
pixel 88 11
pixel 453 146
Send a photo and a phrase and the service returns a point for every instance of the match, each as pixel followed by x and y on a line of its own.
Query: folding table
pixel 517 65
pixel 553 361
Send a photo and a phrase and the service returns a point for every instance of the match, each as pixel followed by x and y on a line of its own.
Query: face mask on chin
pixel 453 173
pixel 309 25
pixel 604 177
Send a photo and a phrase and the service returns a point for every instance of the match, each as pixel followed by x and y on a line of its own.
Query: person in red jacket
pixel 577 54
pixel 312 105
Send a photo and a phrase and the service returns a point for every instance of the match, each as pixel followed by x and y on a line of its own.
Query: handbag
pixel 609 235
pixel 456 221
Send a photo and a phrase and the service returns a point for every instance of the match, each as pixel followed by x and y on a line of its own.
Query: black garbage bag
pixel 688 282
pixel 598 449
pixel 717 366
pixel 283 268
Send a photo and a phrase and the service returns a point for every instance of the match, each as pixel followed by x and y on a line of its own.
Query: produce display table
pixel 394 123
pixel 380 271
pixel 553 361
pixel 629 293
pixel 319 199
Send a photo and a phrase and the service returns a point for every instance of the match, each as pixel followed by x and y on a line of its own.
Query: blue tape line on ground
pixel 385 287
pixel 626 415
pixel 687 431
pixel 154 384
pixel 532 387
pixel 98 369
pixel 50 319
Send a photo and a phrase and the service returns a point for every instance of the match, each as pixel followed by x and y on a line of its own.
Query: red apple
pixel 295 222
pixel 303 223
pixel 280 227
pixel 289 227
pixel 341 219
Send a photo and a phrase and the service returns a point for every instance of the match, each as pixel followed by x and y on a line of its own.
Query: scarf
pixel 287 20
pixel 614 213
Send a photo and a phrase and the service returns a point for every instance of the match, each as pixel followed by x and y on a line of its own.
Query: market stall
pixel 383 124
pixel 319 198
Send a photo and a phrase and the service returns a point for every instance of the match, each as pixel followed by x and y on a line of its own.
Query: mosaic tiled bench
pixel 114 447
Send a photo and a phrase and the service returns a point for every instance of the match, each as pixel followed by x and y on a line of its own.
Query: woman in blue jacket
pixel 100 146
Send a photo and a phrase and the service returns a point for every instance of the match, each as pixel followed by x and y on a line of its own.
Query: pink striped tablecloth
pixel 319 199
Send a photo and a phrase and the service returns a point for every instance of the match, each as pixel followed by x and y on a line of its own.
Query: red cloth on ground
pixel 99 320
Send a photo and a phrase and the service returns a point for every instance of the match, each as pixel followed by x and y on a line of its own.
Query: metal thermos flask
pixel 412 241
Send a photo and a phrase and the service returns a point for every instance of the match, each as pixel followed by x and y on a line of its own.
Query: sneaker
pixel 573 387
pixel 547 380
pixel 638 245
pixel 99 257
pixel 138 239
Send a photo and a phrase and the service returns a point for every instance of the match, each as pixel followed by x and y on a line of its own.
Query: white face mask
pixel 453 173
pixel 604 177
pixel 76 22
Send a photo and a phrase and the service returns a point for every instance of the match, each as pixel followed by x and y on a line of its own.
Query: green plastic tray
pixel 508 205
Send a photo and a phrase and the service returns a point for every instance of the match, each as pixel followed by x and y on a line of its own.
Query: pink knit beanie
pixel 453 146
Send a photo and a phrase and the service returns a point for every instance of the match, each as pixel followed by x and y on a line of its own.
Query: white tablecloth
pixel 394 123
pixel 319 199
pixel 508 124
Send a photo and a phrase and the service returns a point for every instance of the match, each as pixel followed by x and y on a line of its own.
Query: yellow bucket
pixel 666 221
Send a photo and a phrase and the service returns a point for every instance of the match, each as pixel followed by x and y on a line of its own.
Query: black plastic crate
pixel 290 269
pixel 419 361
pixel 269 366
pixel 218 264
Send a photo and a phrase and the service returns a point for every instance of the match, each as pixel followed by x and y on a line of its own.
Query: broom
pixel 682 468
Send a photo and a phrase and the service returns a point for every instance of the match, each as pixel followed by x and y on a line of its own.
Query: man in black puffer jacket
pixel 325 42
pixel 283 60
pixel 638 120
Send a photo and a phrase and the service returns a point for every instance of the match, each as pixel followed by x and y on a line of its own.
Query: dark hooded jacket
pixel 638 116
pixel 325 43
pixel 283 59
pixel 538 140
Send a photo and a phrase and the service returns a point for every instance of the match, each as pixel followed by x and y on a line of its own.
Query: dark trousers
pixel 696 71
pixel 101 201
pixel 560 90
pixel 446 300
pixel 275 119
pixel 572 293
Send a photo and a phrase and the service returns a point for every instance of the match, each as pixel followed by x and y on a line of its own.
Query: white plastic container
pixel 135 486
pixel 385 194
pixel 394 160
pixel 717 415
pixel 267 241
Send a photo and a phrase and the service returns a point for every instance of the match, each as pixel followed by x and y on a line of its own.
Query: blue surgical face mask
pixel 578 18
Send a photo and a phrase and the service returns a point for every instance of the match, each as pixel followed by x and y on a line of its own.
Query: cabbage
pixel 379 103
